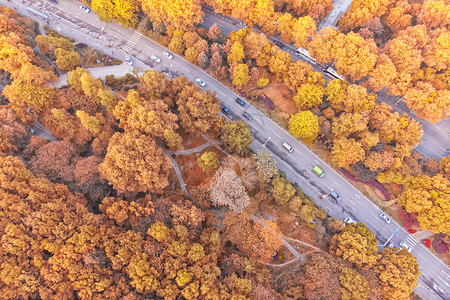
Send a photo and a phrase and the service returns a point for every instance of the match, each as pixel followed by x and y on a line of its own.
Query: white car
pixel 405 246
pixel 385 218
pixel 155 58
pixel 242 24
pixel 200 82
pixel 85 9
pixel 168 55
pixel 128 60
pixel 349 220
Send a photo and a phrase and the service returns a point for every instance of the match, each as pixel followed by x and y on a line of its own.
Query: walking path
pixel 197 149
pixel 339 8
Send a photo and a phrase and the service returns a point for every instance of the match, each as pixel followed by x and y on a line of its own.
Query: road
pixel 298 164
pixel 436 139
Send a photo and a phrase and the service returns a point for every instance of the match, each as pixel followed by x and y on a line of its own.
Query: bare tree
pixel 227 189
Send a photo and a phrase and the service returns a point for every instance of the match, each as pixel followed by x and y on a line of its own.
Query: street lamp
pixel 170 73
pixel 404 97
pixel 103 28
pixel 323 196
pixel 264 145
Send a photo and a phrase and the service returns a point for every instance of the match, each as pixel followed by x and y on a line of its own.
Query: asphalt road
pixel 298 165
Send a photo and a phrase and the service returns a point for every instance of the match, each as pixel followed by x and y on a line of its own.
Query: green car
pixel 318 171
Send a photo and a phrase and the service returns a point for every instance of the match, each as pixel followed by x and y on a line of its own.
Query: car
pixel 128 60
pixel 405 246
pixel 392 246
pixel 349 220
pixel 53 1
pixel 240 101
pixel 200 82
pixel 85 9
pixel 385 218
pixel 225 109
pixel 288 147
pixel 155 58
pixel 318 171
pixel 168 55
pixel 247 115
pixel 335 196
pixel 242 24
pixel 279 44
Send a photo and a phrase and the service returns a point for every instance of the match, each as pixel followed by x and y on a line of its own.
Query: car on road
pixel 225 109
pixel 335 196
pixel 240 101
pixel 279 44
pixel 85 9
pixel 405 246
pixel 318 171
pixel 392 246
pixel 155 58
pixel 349 220
pixel 247 115
pixel 288 147
pixel 242 24
pixel 53 1
pixel 128 60
pixel 385 218
pixel 168 55
pixel 200 82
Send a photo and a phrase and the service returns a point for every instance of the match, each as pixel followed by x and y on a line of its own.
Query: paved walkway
pixel 100 72
pixel 197 149
pixel 339 8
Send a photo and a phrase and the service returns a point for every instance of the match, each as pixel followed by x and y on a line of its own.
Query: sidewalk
pixel 339 8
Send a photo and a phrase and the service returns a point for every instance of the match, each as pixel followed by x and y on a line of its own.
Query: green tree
pixel 304 125
pixel 237 137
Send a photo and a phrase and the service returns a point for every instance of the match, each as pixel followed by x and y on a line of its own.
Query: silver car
pixel 155 58
pixel 85 9
pixel 385 218
pixel 200 82
pixel 128 60
pixel 168 55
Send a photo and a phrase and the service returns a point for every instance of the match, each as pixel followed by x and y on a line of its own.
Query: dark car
pixel 279 44
pixel 247 115
pixel 240 101
pixel 53 1
pixel 225 109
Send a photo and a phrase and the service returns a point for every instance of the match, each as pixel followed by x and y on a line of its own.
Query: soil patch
pixel 280 95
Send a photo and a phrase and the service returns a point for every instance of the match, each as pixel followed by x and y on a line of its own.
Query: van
pixel 288 147
pixel 318 171
pixel 349 220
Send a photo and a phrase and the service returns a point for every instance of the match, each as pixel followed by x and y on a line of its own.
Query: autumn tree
pixel 197 110
pixel 303 28
pixel 398 272
pixel 124 12
pixel 355 244
pixel 134 163
pixel 215 34
pixel 434 13
pixel 237 137
pixel 14 133
pixel 353 285
pixel 279 63
pixel 360 12
pixel 299 72
pixel 208 161
pixel 240 75
pixel 304 125
pixel 428 197
pixel 309 96
pixel 266 166
pixel 227 189
pixel 57 161
pixel 346 151
pixel 236 54
pixel 283 191
pixel 180 14
pixel 67 60
pixel 354 56
pixel 149 116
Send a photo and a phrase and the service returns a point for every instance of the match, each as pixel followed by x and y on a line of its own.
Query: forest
pixel 98 210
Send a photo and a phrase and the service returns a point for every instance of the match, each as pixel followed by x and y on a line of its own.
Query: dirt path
pixel 177 171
